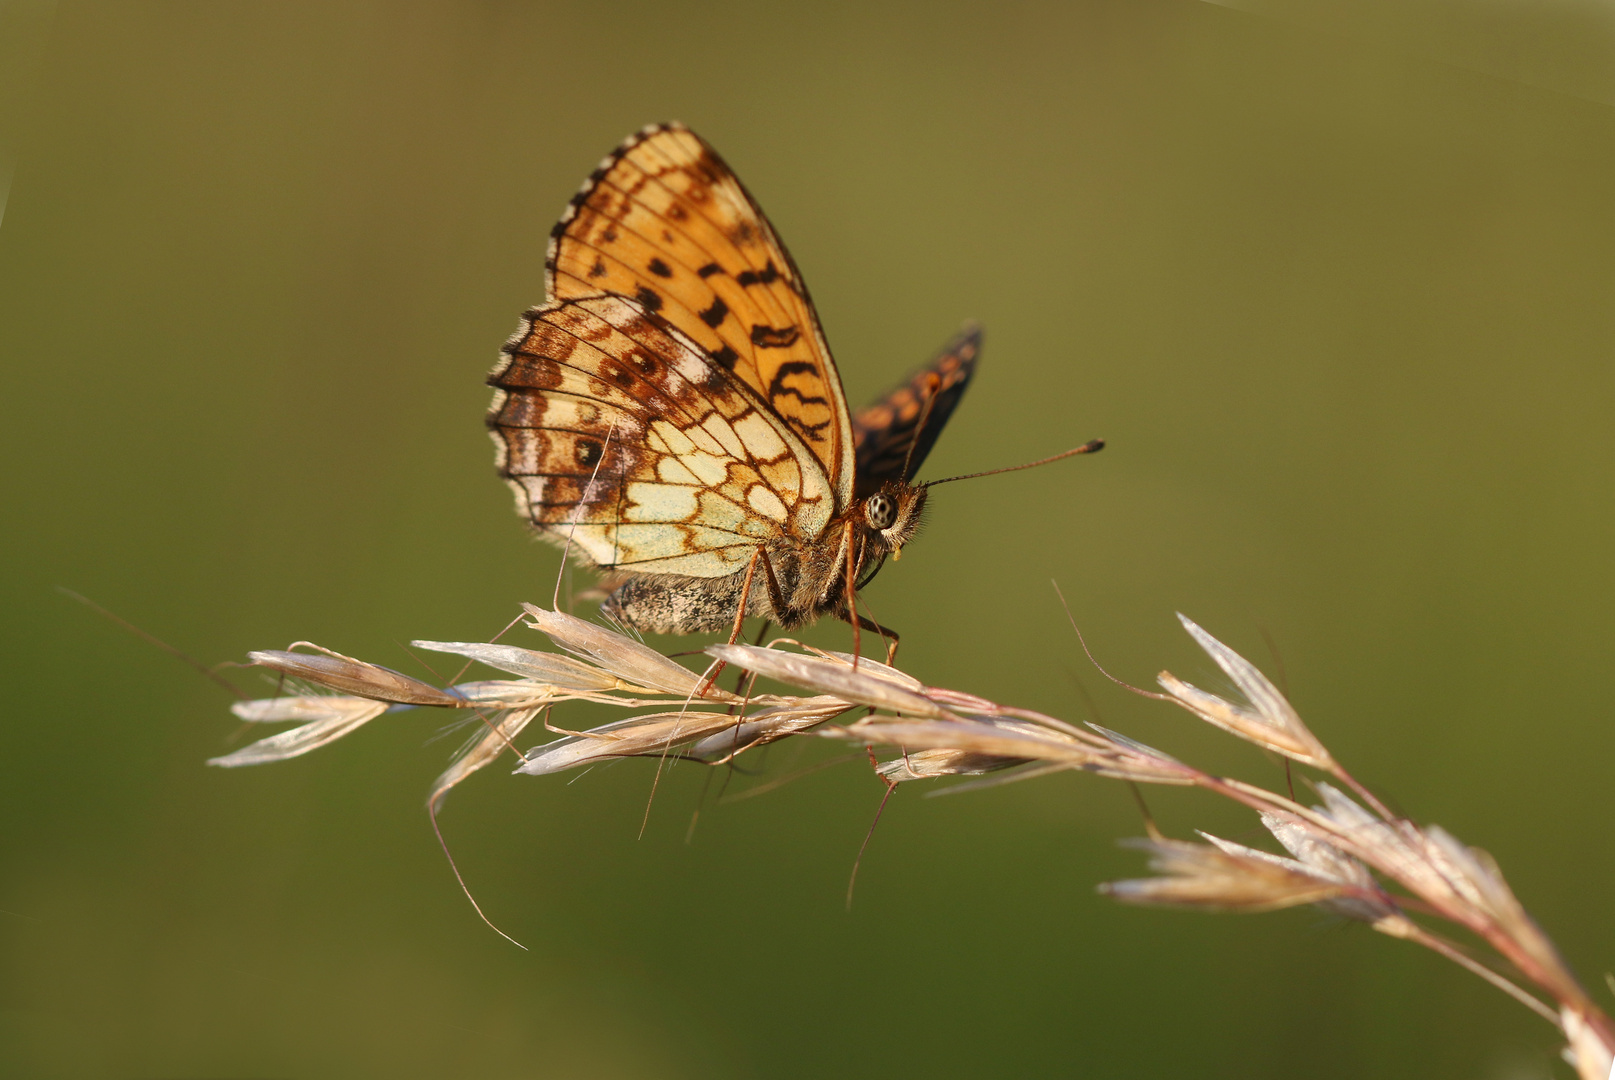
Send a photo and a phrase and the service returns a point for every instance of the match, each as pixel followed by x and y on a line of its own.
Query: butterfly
pixel 672 415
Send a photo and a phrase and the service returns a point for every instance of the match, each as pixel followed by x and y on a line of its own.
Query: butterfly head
pixel 891 516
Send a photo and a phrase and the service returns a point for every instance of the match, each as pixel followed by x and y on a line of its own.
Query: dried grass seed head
pixel 935 764
pixel 1475 875
pixel 1221 875
pixel 351 676
pixel 766 725
pixel 1586 1052
pixel 482 751
pixel 877 686
pixel 654 734
pixel 619 654
pixel 320 720
pixel 1268 720
pixel 1329 861
pixel 548 668
pixel 1397 849
pixel 1008 740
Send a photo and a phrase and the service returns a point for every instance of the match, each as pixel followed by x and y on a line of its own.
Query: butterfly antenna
pixel 1092 446
pixel 577 516
pixel 849 543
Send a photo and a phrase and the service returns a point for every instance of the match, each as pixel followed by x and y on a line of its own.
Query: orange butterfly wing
pixel 891 443
pixel 664 222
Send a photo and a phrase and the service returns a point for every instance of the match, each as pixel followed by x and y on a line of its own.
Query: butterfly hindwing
pixel 663 221
pixel 888 446
pixel 621 436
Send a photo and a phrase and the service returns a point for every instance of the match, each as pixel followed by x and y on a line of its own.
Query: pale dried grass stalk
pixel 1349 855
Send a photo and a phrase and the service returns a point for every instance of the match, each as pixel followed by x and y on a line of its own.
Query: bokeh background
pixel 1335 281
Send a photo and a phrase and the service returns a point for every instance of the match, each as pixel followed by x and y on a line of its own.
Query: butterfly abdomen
pixel 674 604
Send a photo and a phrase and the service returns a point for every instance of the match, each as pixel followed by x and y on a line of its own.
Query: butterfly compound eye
pixel 880 512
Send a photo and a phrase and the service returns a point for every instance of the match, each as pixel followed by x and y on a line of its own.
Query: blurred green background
pixel 1335 281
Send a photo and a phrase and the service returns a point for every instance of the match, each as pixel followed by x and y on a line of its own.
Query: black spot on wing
pixel 777 387
pixel 766 276
pixel 714 315
pixel 649 298
pixel 725 358
pixel 709 269
pixel 770 337
pixel 659 268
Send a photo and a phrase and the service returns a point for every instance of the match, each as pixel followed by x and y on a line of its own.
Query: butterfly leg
pixel 848 538
pixel 745 597
pixel 775 598
pixel 850 614
pixel 762 632
pixel 740 619
pixel 874 627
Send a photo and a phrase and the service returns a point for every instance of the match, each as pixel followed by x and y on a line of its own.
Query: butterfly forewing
pixel 663 221
pixel 891 443
pixel 620 434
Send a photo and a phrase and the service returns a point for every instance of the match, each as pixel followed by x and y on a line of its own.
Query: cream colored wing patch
pixel 619 433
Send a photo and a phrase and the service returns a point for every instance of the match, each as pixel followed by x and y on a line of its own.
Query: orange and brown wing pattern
pixel 891 443
pixel 664 222
pixel 621 436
